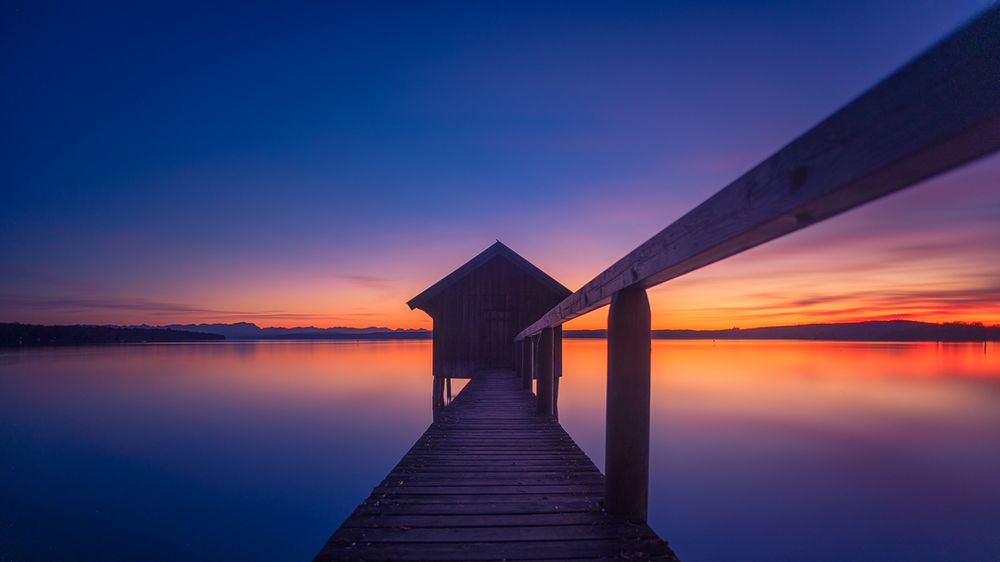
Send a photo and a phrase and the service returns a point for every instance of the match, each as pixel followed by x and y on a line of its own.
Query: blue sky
pixel 320 164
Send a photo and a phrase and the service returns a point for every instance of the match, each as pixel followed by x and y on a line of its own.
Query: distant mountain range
pixel 889 330
pixel 247 330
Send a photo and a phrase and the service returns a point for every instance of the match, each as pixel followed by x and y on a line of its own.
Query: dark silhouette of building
pixel 481 306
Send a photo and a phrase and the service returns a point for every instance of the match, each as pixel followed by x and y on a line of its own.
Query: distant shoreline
pixel 31 335
pixel 34 335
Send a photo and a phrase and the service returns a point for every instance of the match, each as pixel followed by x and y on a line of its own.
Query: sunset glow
pixel 240 208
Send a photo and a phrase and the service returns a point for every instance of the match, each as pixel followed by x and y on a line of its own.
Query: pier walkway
pixel 495 477
pixel 490 479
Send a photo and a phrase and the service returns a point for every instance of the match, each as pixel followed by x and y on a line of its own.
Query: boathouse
pixel 479 308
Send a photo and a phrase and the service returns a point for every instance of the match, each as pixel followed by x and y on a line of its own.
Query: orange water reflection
pixel 812 450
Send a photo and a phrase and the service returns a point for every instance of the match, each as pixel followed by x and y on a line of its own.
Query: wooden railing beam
pixel 938 112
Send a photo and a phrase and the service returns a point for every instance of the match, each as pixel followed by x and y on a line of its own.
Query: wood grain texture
pixel 492 480
pixel 938 112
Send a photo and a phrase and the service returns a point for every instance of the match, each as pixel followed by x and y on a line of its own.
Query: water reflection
pixel 257 451
pixel 813 450
pixel 240 450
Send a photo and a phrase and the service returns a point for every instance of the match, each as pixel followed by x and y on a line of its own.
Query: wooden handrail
pixel 940 111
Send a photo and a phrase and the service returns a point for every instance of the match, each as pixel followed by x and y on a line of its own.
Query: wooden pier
pixel 492 480
pixel 495 477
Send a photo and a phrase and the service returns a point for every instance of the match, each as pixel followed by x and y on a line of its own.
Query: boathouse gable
pixel 479 308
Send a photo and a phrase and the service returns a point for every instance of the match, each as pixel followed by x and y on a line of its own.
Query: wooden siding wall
pixel 475 320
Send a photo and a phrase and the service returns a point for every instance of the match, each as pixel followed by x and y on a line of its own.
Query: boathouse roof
pixel 497 249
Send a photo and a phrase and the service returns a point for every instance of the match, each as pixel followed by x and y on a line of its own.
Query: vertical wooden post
pixel 556 368
pixel 517 359
pixel 436 369
pixel 545 365
pixel 437 396
pixel 526 364
pixel 534 363
pixel 626 487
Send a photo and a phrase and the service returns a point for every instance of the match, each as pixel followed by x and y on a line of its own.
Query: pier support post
pixel 437 396
pixel 556 368
pixel 626 485
pixel 545 365
pixel 525 363
pixel 517 359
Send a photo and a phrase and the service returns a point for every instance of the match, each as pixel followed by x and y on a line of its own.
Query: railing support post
pixel 525 345
pixel 517 359
pixel 626 485
pixel 532 344
pixel 545 365
pixel 556 368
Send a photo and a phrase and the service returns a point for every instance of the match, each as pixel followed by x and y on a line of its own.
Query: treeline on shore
pixel 25 335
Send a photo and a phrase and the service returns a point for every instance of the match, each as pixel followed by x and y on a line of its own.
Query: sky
pixel 321 164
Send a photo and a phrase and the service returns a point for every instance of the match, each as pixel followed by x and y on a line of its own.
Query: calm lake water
pixel 258 450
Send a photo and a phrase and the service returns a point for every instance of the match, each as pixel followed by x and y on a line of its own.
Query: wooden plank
pixel 940 111
pixel 534 506
pixel 565 487
pixel 495 459
pixel 638 549
pixel 492 534
pixel 456 521
pixel 416 479
pixel 498 467
pixel 472 489
pixel 495 499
